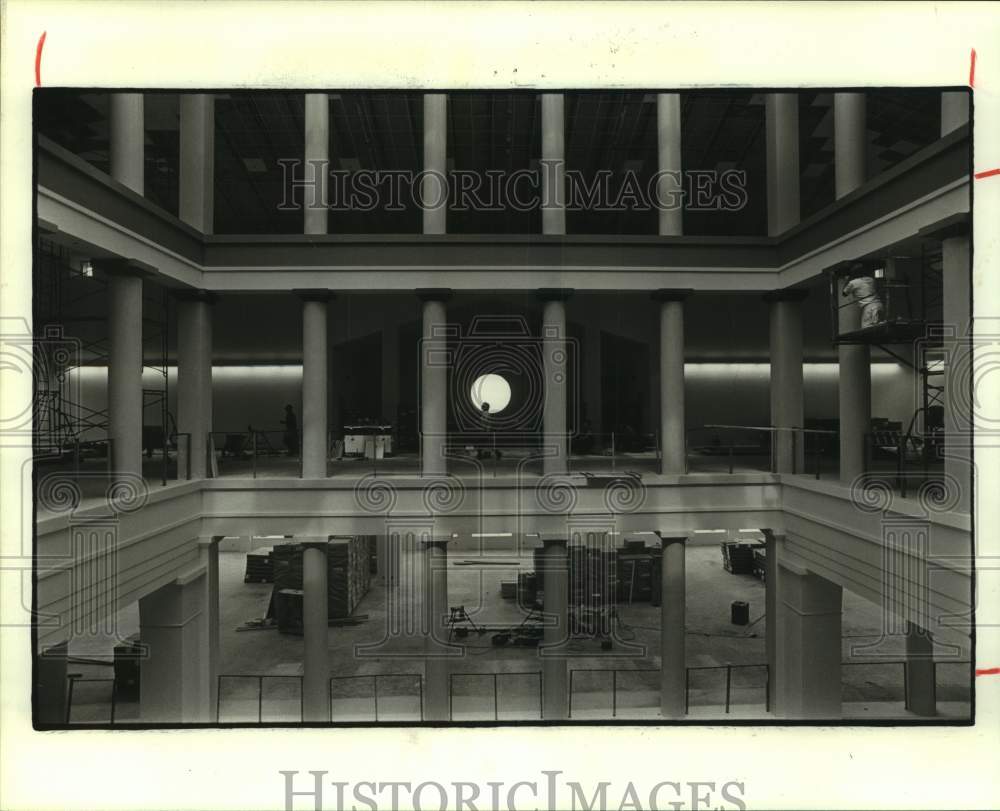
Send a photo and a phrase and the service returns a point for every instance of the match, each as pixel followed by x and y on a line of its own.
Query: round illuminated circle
pixel 492 389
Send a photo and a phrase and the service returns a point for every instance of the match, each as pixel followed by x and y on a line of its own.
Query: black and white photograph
pixel 520 405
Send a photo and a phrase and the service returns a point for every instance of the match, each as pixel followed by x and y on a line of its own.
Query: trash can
pixel 740 612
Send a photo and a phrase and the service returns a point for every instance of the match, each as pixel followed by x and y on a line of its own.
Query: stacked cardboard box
pixel 260 568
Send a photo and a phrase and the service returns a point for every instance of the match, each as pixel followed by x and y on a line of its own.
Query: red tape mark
pixel 988 671
pixel 987 173
pixel 38 59
pixel 972 69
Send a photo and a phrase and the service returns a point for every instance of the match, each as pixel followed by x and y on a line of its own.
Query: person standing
pixel 291 437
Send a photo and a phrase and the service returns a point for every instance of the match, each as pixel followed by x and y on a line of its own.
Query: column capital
pixel 118 266
pixel 434 293
pixel 555 293
pixel 671 294
pixel 315 294
pixel 316 542
pixel 550 542
pixel 436 543
pixel 670 540
pixel 191 294
pixel 786 294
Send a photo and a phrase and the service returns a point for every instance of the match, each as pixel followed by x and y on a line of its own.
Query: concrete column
pixel 194 381
pixel 772 622
pixel 51 686
pixel 196 186
pixel 555 674
pixel 434 183
pixel 315 625
pixel 317 157
pixel 209 555
pixel 810 653
pixel 668 130
pixel 554 357
pixel 781 111
pixel 591 368
pixel 921 687
pixel 787 409
pixel 314 447
pixel 436 610
pixel 125 368
pixel 850 145
pixel 434 363
pixel 854 379
pixel 855 396
pixel 390 372
pixel 673 447
pixel 173 686
pixel 673 623
pixel 958 402
pixel 553 164
pixel 127 140
pixel 954 110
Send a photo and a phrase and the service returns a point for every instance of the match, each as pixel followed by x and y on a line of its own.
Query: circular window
pixel 491 389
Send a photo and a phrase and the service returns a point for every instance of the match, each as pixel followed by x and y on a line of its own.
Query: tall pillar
pixel 772 621
pixel 854 394
pixel 209 555
pixel 125 367
pixel 436 668
pixel 958 397
pixel 854 377
pixel 555 635
pixel 127 140
pixel 196 185
pixel 553 164
pixel 850 144
pixel 555 438
pixel 810 654
pixel 390 372
pixel 434 363
pixel 315 624
pixel 173 688
pixel 954 110
pixel 673 623
pixel 781 111
pixel 787 409
pixel 194 381
pixel 434 183
pixel 591 368
pixel 317 157
pixel 314 446
pixel 673 446
pixel 668 131
pixel 921 688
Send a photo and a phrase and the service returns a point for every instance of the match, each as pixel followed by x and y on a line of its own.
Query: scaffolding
pixel 896 305
pixel 70 334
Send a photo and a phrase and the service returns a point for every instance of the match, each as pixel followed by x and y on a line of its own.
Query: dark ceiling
pixel 488 131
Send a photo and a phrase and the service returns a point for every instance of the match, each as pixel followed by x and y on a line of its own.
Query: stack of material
pixel 348 578
pixel 527 590
pixel 508 589
pixel 260 568
pixel 760 564
pixel 737 558
pixel 127 678
pixel 635 577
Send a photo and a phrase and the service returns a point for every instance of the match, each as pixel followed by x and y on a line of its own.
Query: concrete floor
pixel 871 688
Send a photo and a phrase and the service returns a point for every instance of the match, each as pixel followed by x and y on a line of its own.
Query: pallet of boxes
pixel 349 576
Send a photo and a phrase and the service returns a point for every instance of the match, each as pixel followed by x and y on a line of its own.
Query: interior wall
pixel 723 393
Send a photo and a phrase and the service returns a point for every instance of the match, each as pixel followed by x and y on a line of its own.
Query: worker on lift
pixel 861 287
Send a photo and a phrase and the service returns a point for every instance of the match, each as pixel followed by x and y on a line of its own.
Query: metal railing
pixel 74 679
pixel 375 679
pixel 496 698
pixel 907 451
pixel 260 679
pixel 251 445
pixel 729 668
pixel 798 441
pixel 614 682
